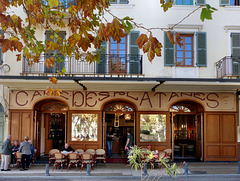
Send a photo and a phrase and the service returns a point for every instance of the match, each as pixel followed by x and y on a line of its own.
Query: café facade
pixel 199 125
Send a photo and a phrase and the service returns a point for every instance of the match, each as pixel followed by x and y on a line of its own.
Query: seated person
pixel 67 148
pixel 15 148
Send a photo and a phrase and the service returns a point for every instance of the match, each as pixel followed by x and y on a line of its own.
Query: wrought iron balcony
pixel 108 64
pixel 228 67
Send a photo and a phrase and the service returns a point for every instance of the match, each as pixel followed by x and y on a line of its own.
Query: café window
pixel 84 127
pixel 152 127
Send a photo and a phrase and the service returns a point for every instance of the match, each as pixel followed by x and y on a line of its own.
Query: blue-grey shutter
pixel 169 52
pixel 1 127
pixel 224 2
pixel 101 66
pixel 201 49
pixel 49 53
pixel 134 58
pixel 61 63
pixel 200 2
pixel 235 43
pixel 1 54
pixel 166 1
pixel 123 2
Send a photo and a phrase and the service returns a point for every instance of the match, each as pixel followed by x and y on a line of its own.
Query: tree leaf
pixel 170 37
pixel 178 39
pixel 53 80
pixel 206 14
pixel 53 3
pixel 141 40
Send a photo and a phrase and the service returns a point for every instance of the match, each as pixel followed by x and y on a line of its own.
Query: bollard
pixel 88 170
pixel 186 169
pixel 47 170
pixel 145 170
pixel 238 167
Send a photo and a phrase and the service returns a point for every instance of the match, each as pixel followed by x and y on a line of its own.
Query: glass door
pixel 118 56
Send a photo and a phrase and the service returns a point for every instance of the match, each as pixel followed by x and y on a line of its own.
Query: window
pixel 84 127
pixel 235 44
pixel 152 127
pixel 122 58
pixel 187 2
pixel 184 54
pixel 229 2
pixel 118 1
pixel 175 55
pixel 118 56
pixel 59 64
pixel 62 3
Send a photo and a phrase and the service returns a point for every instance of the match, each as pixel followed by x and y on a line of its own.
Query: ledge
pixel 121 6
pixel 186 26
pixel 231 27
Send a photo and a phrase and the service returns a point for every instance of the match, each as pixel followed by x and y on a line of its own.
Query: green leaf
pixel 206 14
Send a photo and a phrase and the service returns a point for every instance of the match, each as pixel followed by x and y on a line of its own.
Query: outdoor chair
pixel 73 160
pixel 100 155
pixel 51 155
pixel 18 156
pixel 92 152
pixel 87 159
pixel 59 160
pixel 161 154
pixel 80 151
pixel 34 158
pixel 168 153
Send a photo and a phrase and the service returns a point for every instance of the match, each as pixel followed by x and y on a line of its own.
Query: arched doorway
pixel 121 117
pixel 187 130
pixel 50 122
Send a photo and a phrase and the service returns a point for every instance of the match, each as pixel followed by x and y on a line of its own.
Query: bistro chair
pixel 59 160
pixel 161 154
pixel 168 153
pixel 73 160
pixel 100 155
pixel 79 151
pixel 51 155
pixel 87 159
pixel 92 152
pixel 18 156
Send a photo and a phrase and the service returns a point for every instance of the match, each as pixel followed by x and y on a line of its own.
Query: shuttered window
pixel 184 54
pixel 229 2
pixel 187 2
pixel 101 66
pixel 59 64
pixel 118 1
pixel 174 55
pixel 134 59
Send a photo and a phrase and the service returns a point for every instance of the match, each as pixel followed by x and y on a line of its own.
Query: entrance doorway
pixel 120 117
pixel 50 126
pixel 187 130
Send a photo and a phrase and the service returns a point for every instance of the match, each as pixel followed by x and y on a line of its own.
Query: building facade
pixel 186 100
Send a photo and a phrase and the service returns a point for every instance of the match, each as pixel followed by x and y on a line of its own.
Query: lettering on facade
pixel 142 99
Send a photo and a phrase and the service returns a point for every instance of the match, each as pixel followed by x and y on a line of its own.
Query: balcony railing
pixel 228 67
pixel 108 64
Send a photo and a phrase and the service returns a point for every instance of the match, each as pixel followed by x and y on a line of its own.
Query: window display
pixel 84 127
pixel 152 127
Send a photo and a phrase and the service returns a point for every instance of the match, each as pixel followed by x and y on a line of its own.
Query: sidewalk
pixel 121 171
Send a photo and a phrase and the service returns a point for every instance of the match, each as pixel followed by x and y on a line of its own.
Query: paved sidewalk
pixel 196 169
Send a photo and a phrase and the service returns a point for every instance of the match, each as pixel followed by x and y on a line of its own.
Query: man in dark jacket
pixel 6 152
pixel 25 148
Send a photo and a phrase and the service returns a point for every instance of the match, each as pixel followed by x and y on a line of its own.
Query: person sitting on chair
pixel 67 148
pixel 15 148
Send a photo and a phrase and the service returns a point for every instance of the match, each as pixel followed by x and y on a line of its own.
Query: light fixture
pixel 127 116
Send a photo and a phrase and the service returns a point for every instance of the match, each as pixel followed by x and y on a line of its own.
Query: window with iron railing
pixel 229 2
pixel 187 2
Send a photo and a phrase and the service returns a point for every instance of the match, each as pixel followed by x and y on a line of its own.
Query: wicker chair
pixel 59 160
pixel 92 152
pixel 73 160
pixel 80 151
pixel 168 153
pixel 51 155
pixel 87 159
pixel 18 156
pixel 100 155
